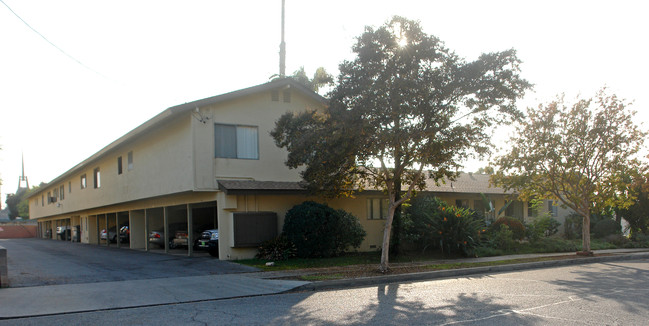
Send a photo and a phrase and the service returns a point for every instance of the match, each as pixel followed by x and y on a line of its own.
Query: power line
pixel 48 41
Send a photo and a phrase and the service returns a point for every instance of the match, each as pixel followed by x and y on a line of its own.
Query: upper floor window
pixel 232 141
pixel 377 208
pixel 84 181
pixel 62 192
pixel 96 178
pixel 129 161
pixel 69 186
pixel 42 200
pixel 119 165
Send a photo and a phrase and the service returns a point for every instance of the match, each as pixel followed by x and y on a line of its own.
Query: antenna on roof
pixel 282 49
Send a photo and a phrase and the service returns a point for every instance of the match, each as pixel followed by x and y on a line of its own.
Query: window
pixel 69 186
pixel 129 161
pixel 552 208
pixel 462 203
pixel 96 178
pixel 515 209
pixel 232 141
pixel 377 208
pixel 62 192
pixel 56 195
pixel 42 200
pixel 532 210
pixel 274 95
pixel 119 165
pixel 287 96
pixel 84 183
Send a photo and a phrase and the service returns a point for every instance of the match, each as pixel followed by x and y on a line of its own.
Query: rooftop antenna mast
pixel 282 49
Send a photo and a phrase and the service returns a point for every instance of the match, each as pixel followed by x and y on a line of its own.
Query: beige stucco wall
pixel 255 110
pixel 162 164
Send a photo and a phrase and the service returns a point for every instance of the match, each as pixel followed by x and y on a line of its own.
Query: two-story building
pixel 209 164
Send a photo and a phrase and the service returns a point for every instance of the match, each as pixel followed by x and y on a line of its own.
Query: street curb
pixel 432 275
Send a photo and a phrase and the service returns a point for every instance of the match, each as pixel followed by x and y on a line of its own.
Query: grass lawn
pixel 365 264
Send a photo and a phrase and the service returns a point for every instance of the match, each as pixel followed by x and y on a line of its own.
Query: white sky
pixel 146 56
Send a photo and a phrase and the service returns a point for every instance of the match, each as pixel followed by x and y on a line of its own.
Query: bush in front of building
pixel 516 226
pixel 606 227
pixel 279 248
pixel 432 223
pixel 318 230
pixel 542 226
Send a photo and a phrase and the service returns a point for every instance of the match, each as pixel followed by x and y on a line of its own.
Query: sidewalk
pixel 68 298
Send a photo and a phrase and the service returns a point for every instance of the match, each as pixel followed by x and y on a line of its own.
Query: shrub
pixel 605 228
pixel 318 230
pixel 457 231
pixel 517 228
pixel 279 248
pixel 501 237
pixel 572 226
pixel 542 226
pixel 431 222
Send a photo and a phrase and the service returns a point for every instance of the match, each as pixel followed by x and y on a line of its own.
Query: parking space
pixel 34 262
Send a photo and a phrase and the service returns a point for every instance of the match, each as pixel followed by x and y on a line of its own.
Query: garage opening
pixel 184 226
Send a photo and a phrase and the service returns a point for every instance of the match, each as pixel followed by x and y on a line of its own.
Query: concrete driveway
pixel 37 262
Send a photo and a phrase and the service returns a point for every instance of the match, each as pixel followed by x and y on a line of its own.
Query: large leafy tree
pixel 577 154
pixel 406 108
pixel 637 214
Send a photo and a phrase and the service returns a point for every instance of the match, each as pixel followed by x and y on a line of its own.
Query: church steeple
pixel 23 183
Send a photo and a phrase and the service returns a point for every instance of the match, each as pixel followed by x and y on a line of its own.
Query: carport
pixel 188 221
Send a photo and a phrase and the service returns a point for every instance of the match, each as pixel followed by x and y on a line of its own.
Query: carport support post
pixel 146 230
pixel 106 220
pixel 165 215
pixel 190 233
pixel 97 225
pixel 117 229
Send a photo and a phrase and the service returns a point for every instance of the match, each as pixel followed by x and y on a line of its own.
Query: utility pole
pixel 282 49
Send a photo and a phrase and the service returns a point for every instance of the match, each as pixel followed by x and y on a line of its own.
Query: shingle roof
pixel 465 183
pixel 234 187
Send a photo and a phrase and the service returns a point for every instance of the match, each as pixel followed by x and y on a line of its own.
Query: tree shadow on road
pixel 616 280
pixel 392 306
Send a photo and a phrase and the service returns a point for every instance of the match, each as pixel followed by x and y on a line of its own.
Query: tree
pixel 403 105
pixel 12 203
pixel 637 215
pixel 576 154
pixel 320 78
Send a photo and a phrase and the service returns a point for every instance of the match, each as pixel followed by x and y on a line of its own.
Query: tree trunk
pixel 385 250
pixel 585 229
pixel 396 222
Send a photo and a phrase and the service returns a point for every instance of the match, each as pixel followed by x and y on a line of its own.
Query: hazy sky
pixel 133 59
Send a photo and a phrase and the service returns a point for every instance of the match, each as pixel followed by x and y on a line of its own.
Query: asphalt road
pixel 597 294
pixel 34 262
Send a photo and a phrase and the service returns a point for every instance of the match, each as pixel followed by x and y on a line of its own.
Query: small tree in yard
pixel 578 155
pixel 404 104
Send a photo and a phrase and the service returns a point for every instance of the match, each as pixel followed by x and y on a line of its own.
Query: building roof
pixel 465 183
pixel 182 109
